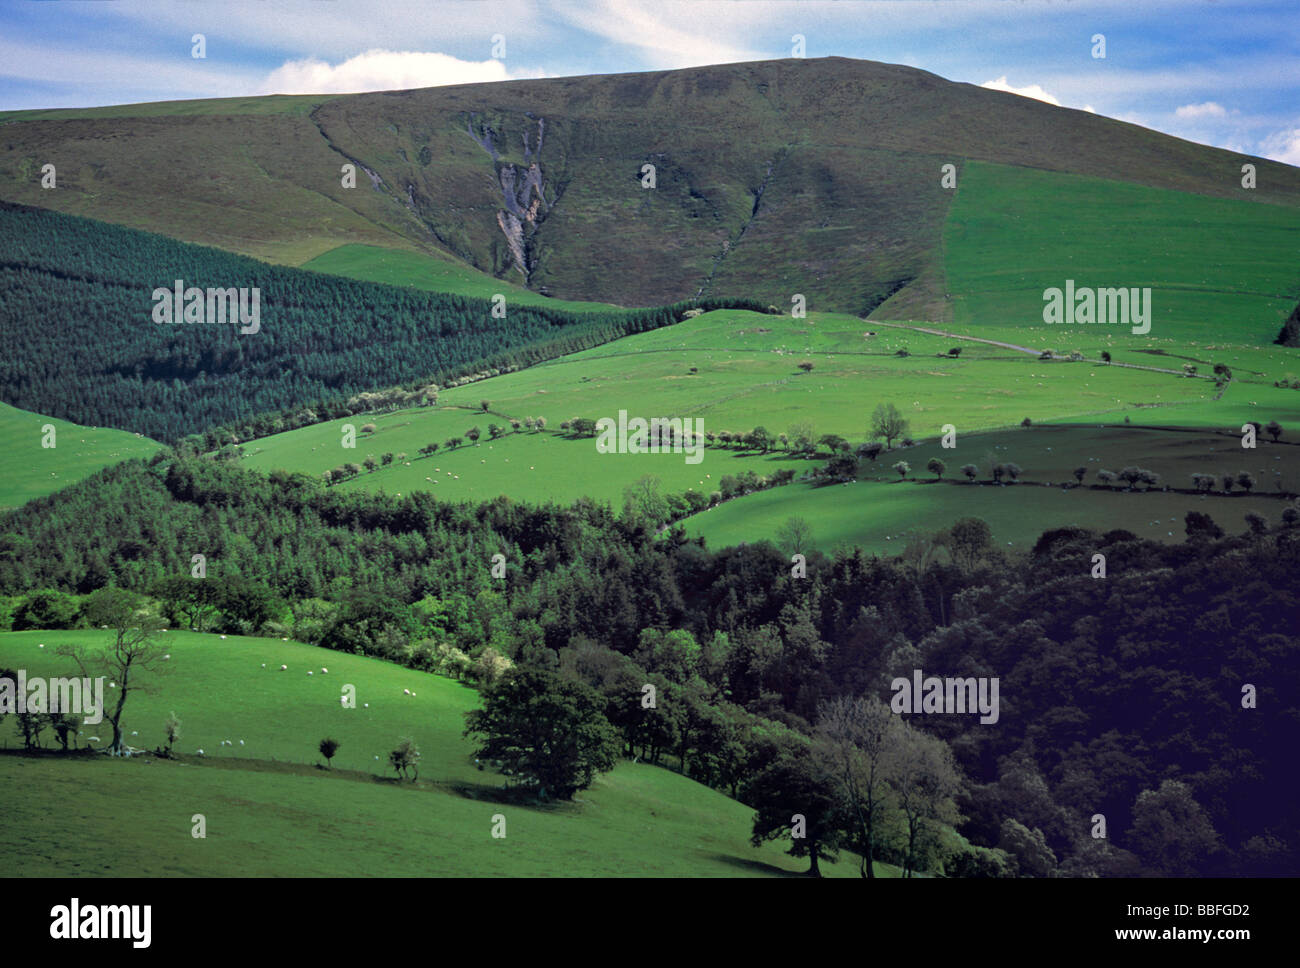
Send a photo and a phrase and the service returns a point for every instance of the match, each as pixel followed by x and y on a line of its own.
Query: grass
pixel 746 374
pixel 29 470
pixel 879 511
pixel 1219 269
pixel 398 267
pixel 270 812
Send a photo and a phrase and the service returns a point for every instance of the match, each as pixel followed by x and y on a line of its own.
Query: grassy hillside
pixel 746 374
pixel 879 511
pixel 1219 269
pixel 29 470
pixel 816 176
pixel 432 272
pixel 271 813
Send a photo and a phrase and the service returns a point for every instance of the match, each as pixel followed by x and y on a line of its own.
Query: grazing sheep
pixel 324 670
pixel 223 636
pixel 241 742
pixel 41 646
pixel 283 668
pixel 200 752
pixel 167 656
pixel 263 665
pixel 135 732
pixel 366 704
pixel 308 672
pixel 407 691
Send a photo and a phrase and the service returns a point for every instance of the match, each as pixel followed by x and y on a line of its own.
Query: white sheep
pixel 200 752
pixel 366 704
pixel 308 672
pixel 284 668
pixel 223 636
pixel 167 656
pixel 263 665
pixel 324 670
pixel 407 691
pixel 241 742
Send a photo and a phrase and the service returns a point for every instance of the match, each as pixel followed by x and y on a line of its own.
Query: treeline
pixel 76 304
pixel 1109 687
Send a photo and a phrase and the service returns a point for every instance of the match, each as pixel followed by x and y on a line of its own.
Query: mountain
pixel 817 176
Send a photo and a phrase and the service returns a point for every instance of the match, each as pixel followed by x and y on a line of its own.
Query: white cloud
pixel 1209 109
pixel 381 70
pixel 1282 146
pixel 1031 90
pixel 673 35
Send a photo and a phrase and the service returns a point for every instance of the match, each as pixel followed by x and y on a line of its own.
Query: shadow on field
pixel 516 796
pixel 758 866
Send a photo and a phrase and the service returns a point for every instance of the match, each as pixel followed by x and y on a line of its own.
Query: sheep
pixel 167 656
pixel 407 691
pixel 284 668
pixel 223 636
pixel 241 742
pixel 92 739
pixel 263 665
pixel 324 670
pixel 366 705
pixel 308 672
pixel 135 732
pixel 41 646
pixel 200 752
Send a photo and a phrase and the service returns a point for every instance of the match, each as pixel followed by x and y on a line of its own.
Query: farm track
pixel 1026 349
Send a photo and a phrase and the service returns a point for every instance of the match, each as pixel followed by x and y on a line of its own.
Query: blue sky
pixel 1216 71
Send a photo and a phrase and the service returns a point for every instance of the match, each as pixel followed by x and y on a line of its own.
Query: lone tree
pixel 473 434
pixel 936 467
pixel 798 796
pixel 970 470
pixel 1080 473
pixel 328 747
pixel 1198 525
pixel 173 727
pixel 887 422
pixel 405 759
pixel 1105 356
pixel 859 735
pixel 794 537
pixel 1245 481
pixel 548 729
pixel 1274 430
pixel 806 366
pixel 903 468
pixel 870 450
pixel 484 404
pixel 131 658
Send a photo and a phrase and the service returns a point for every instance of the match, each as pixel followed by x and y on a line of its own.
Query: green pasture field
pixel 271 812
pixel 1219 269
pixel 29 470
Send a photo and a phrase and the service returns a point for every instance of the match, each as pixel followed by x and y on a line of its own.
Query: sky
pixel 1220 72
